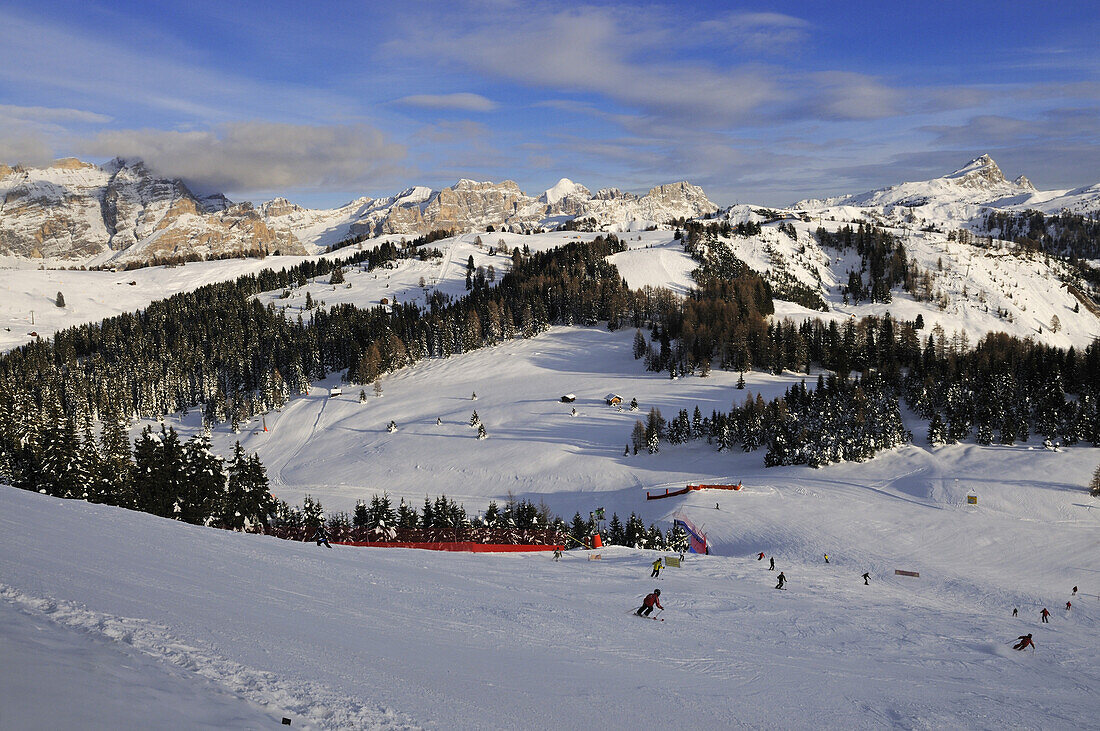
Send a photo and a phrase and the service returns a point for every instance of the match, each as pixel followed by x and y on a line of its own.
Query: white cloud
pixel 242 157
pixel 51 114
pixel 462 101
pixel 757 32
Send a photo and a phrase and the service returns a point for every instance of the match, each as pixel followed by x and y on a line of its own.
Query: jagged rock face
pixel 122 212
pixel 981 172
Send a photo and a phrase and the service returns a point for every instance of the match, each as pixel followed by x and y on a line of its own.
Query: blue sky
pixel 763 103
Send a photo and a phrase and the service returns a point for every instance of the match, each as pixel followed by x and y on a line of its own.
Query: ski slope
pixel 229 630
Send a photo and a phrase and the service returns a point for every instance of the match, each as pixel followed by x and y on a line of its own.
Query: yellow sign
pixel 670 561
pixel 972 499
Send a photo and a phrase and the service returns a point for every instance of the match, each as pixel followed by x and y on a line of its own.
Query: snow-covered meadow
pixel 230 630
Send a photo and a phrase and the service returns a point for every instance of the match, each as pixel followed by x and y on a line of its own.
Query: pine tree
pixel 616 535
pixel 392 427
pixel 481 431
pixel 313 515
pixel 1094 486
pixel 475 419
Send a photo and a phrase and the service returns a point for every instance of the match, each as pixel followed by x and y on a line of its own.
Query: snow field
pixel 394 638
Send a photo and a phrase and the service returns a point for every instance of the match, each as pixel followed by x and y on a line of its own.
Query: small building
pixel 568 398
pixel 613 399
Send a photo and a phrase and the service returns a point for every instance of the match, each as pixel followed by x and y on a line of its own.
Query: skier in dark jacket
pixel 649 602
pixel 760 557
pixel 321 537
pixel 782 581
pixel 1024 642
pixel 1045 614
pixel 772 566
pixel 867 579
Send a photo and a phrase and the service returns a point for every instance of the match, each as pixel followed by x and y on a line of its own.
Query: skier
pixel 439 421
pixel 867 579
pixel 1024 642
pixel 1068 606
pixel 1074 591
pixel 1044 614
pixel 782 581
pixel 760 557
pixel 716 506
pixel 320 537
pixel 1015 612
pixel 772 566
pixel 826 558
pixel 648 602
pixel 557 554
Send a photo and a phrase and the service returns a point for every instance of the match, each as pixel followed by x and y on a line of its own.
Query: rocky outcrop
pixel 122 212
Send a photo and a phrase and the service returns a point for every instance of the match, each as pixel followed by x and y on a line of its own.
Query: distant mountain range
pixel 121 212
pixel 960 196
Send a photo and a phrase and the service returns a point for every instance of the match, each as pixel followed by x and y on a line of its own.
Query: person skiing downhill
pixel 656 569
pixel 649 602
pixel 772 566
pixel 760 557
pixel 1024 642
pixel 1015 611
pixel 826 558
pixel 321 537
pixel 1069 606
pixel 782 581
pixel 1044 614
pixel 867 579
pixel 1074 591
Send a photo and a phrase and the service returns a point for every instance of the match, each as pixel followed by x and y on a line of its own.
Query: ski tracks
pixel 310 705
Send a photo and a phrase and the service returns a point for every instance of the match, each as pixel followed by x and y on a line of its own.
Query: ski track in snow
pixel 309 704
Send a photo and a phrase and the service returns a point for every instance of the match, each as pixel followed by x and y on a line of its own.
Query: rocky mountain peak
pixel 70 163
pixel 981 172
pixel 563 189
pixel 1023 182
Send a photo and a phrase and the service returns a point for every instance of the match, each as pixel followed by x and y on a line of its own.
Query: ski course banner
pixel 697 539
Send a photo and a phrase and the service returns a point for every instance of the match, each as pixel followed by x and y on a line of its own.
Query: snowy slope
pixel 957 199
pixel 227 626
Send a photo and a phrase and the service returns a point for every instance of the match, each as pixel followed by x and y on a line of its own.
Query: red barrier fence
pixel 466 546
pixel 690 488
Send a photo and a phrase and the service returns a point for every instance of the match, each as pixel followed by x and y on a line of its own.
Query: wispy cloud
pixel 757 32
pixel 243 157
pixel 52 114
pixel 463 101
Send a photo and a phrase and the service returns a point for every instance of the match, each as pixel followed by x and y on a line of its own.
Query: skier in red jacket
pixel 648 602
pixel 1024 643
pixel 1044 614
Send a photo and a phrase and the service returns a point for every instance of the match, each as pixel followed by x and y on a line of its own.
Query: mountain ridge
pixel 121 212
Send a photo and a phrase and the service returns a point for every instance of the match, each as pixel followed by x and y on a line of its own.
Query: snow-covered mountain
pixel 473 206
pixel 122 212
pixel 959 197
